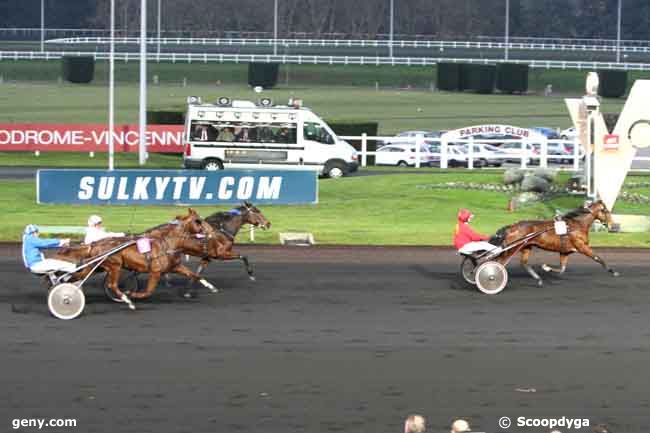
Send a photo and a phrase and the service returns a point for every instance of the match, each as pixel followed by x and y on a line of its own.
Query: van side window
pixel 315 132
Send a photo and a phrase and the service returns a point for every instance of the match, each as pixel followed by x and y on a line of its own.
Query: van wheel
pixel 402 164
pixel 335 169
pixel 212 165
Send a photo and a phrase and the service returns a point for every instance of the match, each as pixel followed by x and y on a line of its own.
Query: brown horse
pixel 578 223
pixel 227 225
pixel 174 239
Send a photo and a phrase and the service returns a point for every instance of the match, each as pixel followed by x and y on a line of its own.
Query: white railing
pixel 315 60
pixel 357 43
pixel 469 158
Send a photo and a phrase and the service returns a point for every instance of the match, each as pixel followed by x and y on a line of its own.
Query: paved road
pixel 334 340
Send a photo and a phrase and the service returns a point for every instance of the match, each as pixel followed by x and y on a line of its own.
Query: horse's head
pixel 254 216
pixel 192 223
pixel 600 212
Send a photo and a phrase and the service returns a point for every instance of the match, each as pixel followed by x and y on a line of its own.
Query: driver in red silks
pixel 467 239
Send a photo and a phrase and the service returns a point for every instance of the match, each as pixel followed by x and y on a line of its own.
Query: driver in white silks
pixel 34 259
pixel 467 240
pixel 95 231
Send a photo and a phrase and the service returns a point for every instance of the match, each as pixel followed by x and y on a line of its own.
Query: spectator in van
pixel 204 132
pixel 226 134
pixel 282 136
pixel 244 135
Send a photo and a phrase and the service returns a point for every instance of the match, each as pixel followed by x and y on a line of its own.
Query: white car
pixel 404 155
pixel 568 134
pixel 514 148
pixel 409 137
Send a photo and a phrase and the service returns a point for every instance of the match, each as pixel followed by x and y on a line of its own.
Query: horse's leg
pixel 113 278
pixel 585 249
pixel 152 282
pixel 564 258
pixel 229 255
pixel 202 265
pixel 525 255
pixel 183 270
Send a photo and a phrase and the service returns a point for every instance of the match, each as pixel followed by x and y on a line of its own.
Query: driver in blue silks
pixel 34 259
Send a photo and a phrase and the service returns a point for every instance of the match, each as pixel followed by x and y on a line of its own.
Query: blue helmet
pixel 30 228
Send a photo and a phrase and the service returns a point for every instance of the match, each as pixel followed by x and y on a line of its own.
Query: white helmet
pixel 93 220
pixel 460 425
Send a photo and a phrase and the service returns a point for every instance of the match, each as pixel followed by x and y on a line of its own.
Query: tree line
pixel 433 19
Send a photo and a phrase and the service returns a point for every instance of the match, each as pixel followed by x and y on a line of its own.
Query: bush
pixel 448 76
pixel 479 78
pixel 263 74
pixel 612 83
pixel 78 69
pixel 512 77
pixel 165 117
pixel 357 128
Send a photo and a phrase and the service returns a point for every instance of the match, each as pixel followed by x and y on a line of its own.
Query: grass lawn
pixel 377 210
pixel 395 110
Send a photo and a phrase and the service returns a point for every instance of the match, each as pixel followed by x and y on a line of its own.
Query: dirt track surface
pixel 335 340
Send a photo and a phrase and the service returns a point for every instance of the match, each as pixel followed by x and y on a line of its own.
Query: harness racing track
pixel 335 339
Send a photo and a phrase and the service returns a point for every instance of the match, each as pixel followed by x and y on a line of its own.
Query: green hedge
pixel 612 83
pixel 448 76
pixel 512 78
pixel 263 74
pixel 165 117
pixel 78 69
pixel 357 128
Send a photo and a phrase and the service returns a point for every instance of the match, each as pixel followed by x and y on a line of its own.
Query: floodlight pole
pixel 42 25
pixel 392 28
pixel 142 149
pixel 507 38
pixel 111 92
pixel 158 46
pixel 275 28
pixel 618 33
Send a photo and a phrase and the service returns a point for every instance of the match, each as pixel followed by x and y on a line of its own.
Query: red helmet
pixel 464 215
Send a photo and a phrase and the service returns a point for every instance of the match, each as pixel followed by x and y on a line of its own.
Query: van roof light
pixel 193 100
pixel 223 101
pixel 295 103
pixel 265 102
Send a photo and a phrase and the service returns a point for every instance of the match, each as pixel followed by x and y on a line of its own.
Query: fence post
pixel 419 141
pixel 576 154
pixel 364 149
pixel 544 150
pixel 444 142
pixel 252 233
pixel 470 153
pixel 523 147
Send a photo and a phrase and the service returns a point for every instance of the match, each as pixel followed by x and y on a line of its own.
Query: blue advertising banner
pixel 164 187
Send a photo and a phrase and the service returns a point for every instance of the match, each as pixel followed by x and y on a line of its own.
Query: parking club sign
pixel 165 187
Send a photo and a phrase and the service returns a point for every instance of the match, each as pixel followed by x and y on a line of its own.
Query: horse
pixel 164 257
pixel 227 225
pixel 578 223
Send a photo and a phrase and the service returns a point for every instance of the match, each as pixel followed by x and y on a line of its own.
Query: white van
pixel 243 134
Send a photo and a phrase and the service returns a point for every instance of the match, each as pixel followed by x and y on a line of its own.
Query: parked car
pixel 549 133
pixel 490 155
pixel 569 133
pixel 514 148
pixel 559 152
pixel 404 155
pixel 458 157
pixel 409 137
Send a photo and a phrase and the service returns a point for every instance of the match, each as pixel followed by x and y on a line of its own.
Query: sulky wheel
pixel 491 277
pixel 66 301
pixel 128 282
pixel 468 268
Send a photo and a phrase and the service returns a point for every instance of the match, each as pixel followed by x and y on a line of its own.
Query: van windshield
pixel 242 132
pixel 317 132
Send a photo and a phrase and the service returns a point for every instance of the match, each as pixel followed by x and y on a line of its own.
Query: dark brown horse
pixel 174 239
pixel 226 226
pixel 578 222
